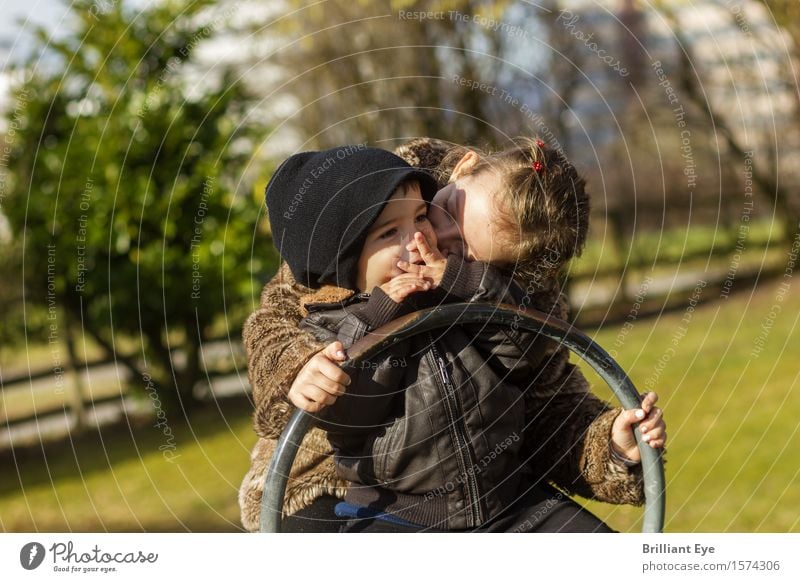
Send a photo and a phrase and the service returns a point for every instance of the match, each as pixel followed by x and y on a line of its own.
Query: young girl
pixel 536 220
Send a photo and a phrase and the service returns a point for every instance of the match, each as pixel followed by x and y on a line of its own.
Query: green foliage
pixel 127 189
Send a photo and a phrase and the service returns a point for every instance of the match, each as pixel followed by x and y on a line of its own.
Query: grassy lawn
pixel 731 464
pixel 119 480
pixel 688 246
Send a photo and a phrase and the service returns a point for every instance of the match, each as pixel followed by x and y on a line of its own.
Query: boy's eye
pixel 389 233
pixel 422 217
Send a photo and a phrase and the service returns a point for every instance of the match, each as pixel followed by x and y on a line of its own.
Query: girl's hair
pixel 543 202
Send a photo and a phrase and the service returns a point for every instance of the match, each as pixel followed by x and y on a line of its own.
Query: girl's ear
pixel 467 161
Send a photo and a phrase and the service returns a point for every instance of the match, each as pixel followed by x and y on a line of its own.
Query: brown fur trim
pixel 325 294
pixel 313 474
pixel 427 153
pixel 611 481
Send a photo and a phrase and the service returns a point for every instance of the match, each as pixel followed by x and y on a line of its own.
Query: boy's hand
pixel 401 286
pixel 321 381
pixel 435 262
pixel 651 424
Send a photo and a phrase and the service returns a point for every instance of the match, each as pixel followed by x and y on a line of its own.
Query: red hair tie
pixel 538 167
pixel 540 143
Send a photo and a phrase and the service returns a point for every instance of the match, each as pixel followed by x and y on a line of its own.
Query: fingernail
pixel 340 354
pixel 644 429
pixel 640 414
pixel 646 438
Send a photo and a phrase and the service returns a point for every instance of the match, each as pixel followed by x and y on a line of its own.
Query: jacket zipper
pixel 458 431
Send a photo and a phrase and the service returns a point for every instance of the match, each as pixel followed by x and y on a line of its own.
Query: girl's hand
pixel 651 424
pixel 321 381
pixel 435 262
pixel 401 286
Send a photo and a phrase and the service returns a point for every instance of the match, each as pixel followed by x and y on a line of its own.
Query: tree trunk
pixel 769 186
pixel 76 391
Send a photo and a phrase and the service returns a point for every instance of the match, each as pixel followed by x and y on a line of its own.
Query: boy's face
pixel 404 214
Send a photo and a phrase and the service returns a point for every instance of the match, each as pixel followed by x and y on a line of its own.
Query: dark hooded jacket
pixel 431 429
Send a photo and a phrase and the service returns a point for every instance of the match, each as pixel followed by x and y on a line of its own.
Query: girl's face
pixel 466 217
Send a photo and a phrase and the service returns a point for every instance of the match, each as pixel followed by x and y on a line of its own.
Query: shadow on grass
pixel 98 450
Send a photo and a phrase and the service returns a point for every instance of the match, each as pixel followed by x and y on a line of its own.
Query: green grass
pixel 731 418
pixel 37 355
pixel 119 480
pixel 732 458
pixel 19 403
pixel 691 243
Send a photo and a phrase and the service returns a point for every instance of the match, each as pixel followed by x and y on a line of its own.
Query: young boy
pixel 429 434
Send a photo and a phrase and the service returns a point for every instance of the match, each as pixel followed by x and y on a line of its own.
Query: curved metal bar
pixel 470 313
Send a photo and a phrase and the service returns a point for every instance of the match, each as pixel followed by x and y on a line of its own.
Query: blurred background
pixel 136 141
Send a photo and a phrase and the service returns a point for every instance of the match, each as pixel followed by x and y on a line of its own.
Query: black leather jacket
pixel 432 431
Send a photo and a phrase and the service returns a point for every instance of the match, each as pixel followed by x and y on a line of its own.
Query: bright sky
pixel 30 12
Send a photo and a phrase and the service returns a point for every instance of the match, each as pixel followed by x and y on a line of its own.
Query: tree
pixel 766 174
pixel 126 189
pixel 390 70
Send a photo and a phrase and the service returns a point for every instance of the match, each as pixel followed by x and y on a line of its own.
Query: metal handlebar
pixel 410 325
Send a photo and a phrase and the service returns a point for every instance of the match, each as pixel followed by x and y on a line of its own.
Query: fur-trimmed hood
pixel 325 294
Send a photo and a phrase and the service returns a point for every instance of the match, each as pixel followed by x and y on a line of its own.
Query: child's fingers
pixel 304 403
pixel 657 433
pixel 400 291
pixel 428 255
pixel 322 382
pixel 298 400
pixel 422 244
pixel 648 401
pixel 404 285
pixel 318 395
pixel 396 271
pixel 410 268
pixel 631 416
pixel 407 289
pixel 656 443
pixel 335 352
pixel 310 406
pixel 409 280
pixel 332 372
pixel 421 271
pixel 653 419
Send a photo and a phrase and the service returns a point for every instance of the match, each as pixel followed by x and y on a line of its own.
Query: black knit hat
pixel 322 204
